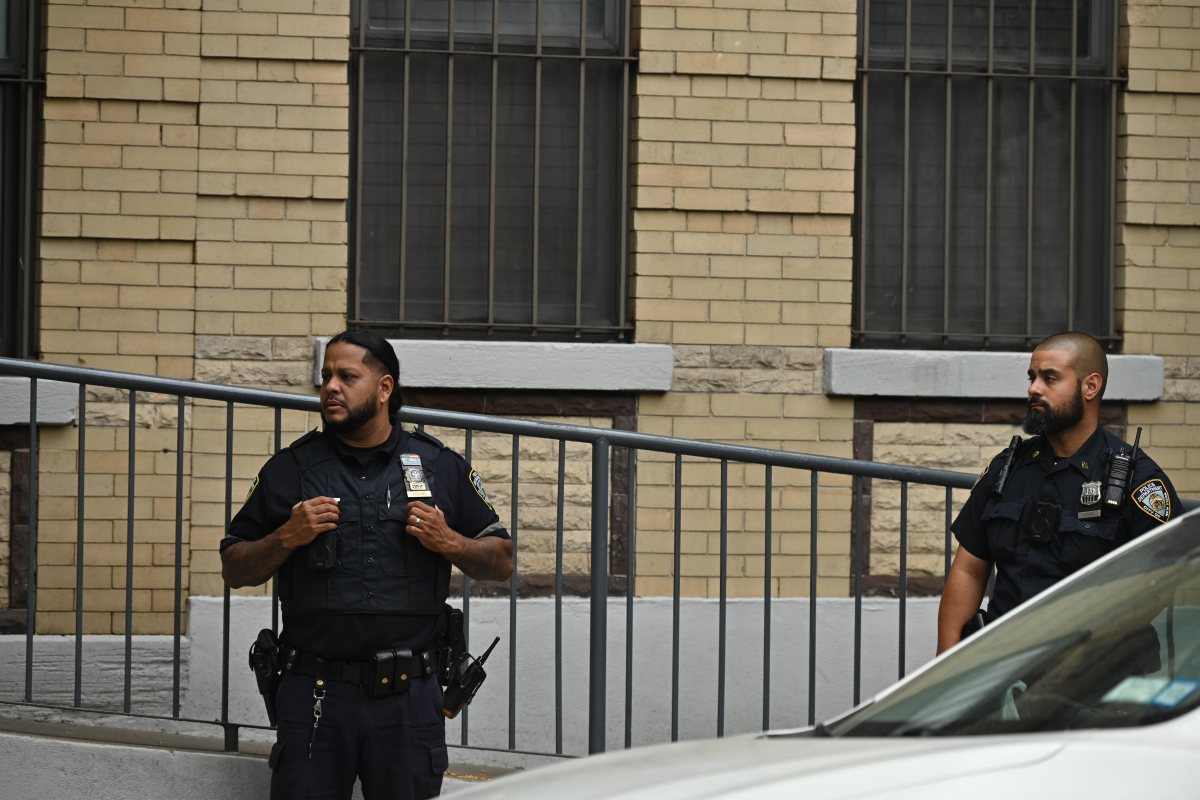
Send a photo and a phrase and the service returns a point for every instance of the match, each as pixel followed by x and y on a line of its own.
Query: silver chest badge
pixel 1090 493
pixel 414 476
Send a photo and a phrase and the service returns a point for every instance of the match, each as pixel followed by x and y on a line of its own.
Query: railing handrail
pixel 460 419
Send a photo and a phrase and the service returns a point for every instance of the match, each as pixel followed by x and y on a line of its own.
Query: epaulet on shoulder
pixel 420 433
pixel 305 439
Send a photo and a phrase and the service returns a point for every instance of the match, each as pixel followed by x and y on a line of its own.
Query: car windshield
pixel 1118 647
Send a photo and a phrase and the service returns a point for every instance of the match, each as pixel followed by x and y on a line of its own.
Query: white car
pixel 1089 690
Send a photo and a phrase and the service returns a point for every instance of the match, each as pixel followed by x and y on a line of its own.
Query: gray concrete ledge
pixel 528 365
pixel 932 373
pixel 57 402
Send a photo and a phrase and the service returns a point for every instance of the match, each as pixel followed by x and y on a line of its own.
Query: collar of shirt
pixel 367 457
pixel 1088 460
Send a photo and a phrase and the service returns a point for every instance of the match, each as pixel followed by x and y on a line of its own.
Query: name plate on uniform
pixel 414 476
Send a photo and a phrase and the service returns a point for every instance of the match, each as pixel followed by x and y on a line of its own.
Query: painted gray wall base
pixel 57 402
pixel 102 673
pixel 932 373
pixel 528 365
pixel 39 768
pixel 535 704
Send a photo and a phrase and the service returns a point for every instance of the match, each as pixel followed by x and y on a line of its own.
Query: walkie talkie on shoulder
pixel 1118 474
pixel 1002 478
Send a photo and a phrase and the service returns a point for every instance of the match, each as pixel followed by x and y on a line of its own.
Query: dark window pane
pixel 991 245
pixel 485 209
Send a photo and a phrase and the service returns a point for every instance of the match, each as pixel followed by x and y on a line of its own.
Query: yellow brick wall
pixel 1158 211
pixel 742 195
pixel 195 178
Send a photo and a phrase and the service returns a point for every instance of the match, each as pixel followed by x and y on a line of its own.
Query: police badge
pixel 414 476
pixel 1089 500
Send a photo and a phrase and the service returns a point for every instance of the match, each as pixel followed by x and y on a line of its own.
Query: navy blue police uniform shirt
pixel 997 528
pixel 354 637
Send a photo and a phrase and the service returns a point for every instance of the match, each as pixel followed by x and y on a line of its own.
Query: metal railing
pixel 601 444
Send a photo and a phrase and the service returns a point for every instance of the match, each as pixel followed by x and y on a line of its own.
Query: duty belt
pixel 388 671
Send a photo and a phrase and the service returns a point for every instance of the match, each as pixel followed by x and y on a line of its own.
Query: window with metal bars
pixel 20 110
pixel 986 172
pixel 490 178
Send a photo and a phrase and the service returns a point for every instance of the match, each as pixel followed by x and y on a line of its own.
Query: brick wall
pixel 195 184
pixel 1158 253
pixel 743 190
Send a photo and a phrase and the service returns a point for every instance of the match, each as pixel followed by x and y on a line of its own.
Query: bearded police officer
pixel 361 522
pixel 1049 505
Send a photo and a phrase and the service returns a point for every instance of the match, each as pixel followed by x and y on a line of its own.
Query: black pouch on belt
pixel 390 671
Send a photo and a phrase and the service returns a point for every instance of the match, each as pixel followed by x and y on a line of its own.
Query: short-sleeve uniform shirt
pixel 996 528
pixel 355 637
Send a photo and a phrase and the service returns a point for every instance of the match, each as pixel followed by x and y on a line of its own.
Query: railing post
pixel 599 608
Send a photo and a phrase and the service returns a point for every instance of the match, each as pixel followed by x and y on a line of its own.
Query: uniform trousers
pixel 395 744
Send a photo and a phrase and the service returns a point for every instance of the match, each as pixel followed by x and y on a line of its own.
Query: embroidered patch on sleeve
pixel 477 482
pixel 253 486
pixel 1152 498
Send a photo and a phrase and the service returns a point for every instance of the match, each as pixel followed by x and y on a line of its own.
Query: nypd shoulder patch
pixel 250 491
pixel 477 482
pixel 1152 498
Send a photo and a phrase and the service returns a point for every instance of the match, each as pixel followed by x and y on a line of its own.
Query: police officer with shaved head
pixel 360 523
pixel 1053 503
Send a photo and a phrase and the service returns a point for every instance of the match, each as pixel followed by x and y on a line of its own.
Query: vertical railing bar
pixel 493 127
pixel 468 443
pixel 559 534
pixel 946 529
pixel 675 591
pixel 812 597
pixel 905 167
pixel 857 526
pixel 987 200
pixel 537 160
pixel 80 518
pixel 129 528
pixel 405 106
pixel 768 536
pixel 448 219
pixel 1030 138
pixel 226 600
pixel 722 607
pixel 630 586
pixel 275 581
pixel 31 556
pixel 1073 87
pixel 177 621
pixel 902 635
pixel 512 595
pixel 599 596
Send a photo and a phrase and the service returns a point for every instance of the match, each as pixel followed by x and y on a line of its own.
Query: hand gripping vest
pixel 380 568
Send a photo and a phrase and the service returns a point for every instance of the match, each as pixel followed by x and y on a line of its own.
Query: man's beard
pixel 355 419
pixel 1048 422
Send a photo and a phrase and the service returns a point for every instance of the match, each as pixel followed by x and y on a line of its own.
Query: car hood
pixel 774 765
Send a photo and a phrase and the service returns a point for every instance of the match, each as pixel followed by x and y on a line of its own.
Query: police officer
pixel 1043 510
pixel 361 522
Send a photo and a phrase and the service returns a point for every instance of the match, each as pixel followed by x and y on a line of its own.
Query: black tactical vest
pixel 376 567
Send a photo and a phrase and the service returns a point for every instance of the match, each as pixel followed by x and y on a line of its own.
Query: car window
pixel 1118 647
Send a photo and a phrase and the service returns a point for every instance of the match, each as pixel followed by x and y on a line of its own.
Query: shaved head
pixel 1085 353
